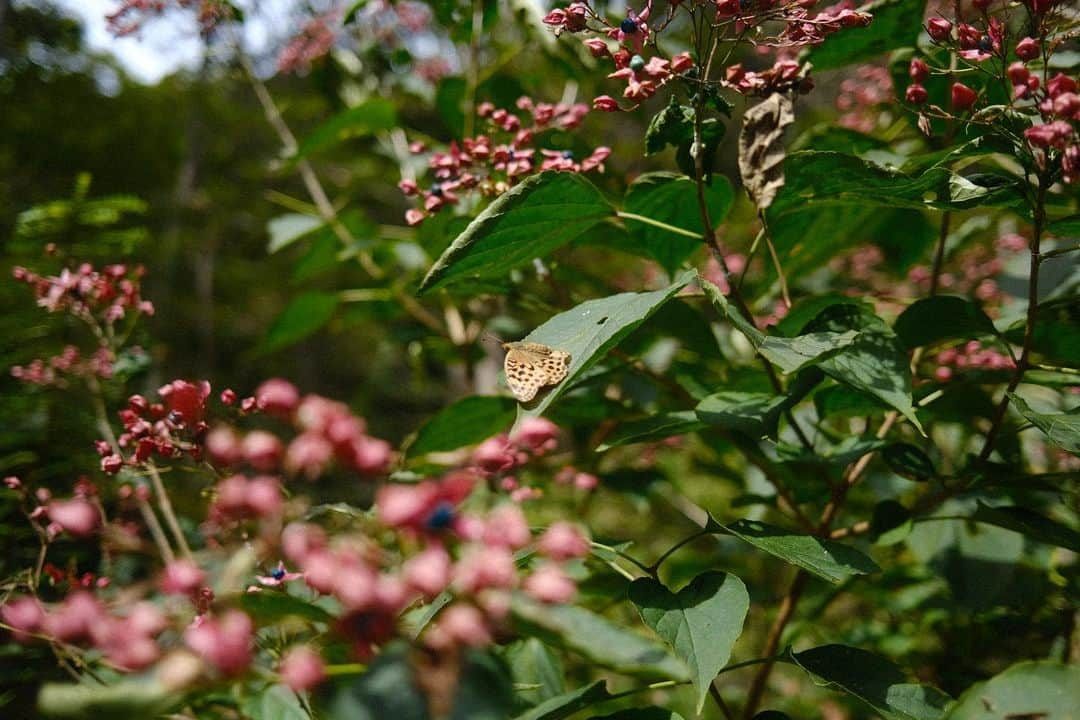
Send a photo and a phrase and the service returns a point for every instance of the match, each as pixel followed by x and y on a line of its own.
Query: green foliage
pixel 829 560
pixel 1047 689
pixel 466 422
pixel 890 28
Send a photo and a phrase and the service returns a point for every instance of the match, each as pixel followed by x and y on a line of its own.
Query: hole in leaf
pixel 601 321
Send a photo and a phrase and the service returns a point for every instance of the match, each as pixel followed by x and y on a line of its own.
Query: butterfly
pixel 530 366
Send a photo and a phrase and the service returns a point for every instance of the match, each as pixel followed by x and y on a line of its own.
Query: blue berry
pixel 568 154
pixel 441 517
pixel 437 190
pixel 986 44
pixel 637 62
pixel 278 574
pixel 629 26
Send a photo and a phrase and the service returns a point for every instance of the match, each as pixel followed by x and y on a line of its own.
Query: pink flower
pixel 506 527
pixel 918 70
pixel 278 576
pixel 76 619
pixel 485 567
pixel 939 28
pixel 370 456
pixel 181 577
pixel 277 397
pixel 76 516
pixel 916 94
pixel 428 506
pixel 495 455
pixel 187 400
pixel 298 540
pixel 465 624
pixel 223 445
pixel 1027 49
pixel 24 614
pixel 263 496
pixel 550 584
pixel 597 47
pixel 428 572
pixel 1055 134
pixel 562 541
pixel 1059 84
pixel 225 642
pixel 606 103
pixel 262 450
pixel 302 669
pixel 308 454
pixel 962 96
pixel 536 434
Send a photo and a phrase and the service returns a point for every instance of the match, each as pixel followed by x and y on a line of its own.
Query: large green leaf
pixel 597 639
pixel 819 177
pixel 272 606
pixel 1062 429
pixel 544 212
pixel 944 317
pixel 874 680
pixel 755 414
pixel 302 317
pixel 700 622
pixel 537 671
pixel 466 422
pixel 891 28
pixel 672 199
pixel 788 354
pixel 590 330
pixel 567 704
pixel 364 119
pixel 1029 524
pixel 1044 690
pixel 827 559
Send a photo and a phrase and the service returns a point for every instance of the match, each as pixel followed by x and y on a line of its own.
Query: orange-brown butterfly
pixel 531 366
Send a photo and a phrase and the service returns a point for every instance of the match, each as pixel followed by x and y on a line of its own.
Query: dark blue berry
pixel 568 154
pixel 278 574
pixel 986 44
pixel 437 190
pixel 441 517
pixel 629 26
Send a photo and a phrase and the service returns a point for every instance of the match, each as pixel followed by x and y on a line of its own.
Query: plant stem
pixel 657 223
pixel 772 642
pixel 165 505
pixel 1029 330
pixel 715 693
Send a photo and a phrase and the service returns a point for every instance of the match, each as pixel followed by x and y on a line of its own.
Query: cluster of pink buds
pixel 313 42
pixel 979 266
pixel 101 296
pixel 131 15
pixel 69 363
pixel 128 639
pixel 862 97
pixel 801 25
pixel 167 429
pixel 1055 140
pixel 492 163
pixel 499 458
pixel 970 356
pixel 784 76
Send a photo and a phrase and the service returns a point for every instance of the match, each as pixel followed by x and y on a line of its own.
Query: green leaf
pixel 535 665
pixel 567 704
pixel 466 422
pixel 701 622
pixel 874 680
pixel 944 317
pixel 891 523
pixel 590 330
pixel 827 559
pixel 672 126
pixel 302 317
pixel 362 120
pixel 908 461
pixel 596 639
pixel 287 229
pixel 272 606
pixel 1029 524
pixel 1062 429
pixel 891 28
pixel 755 414
pixel 1041 690
pixel 276 702
pixel 641 713
pixel 129 699
pixel 530 220
pixel 672 199
pixel 788 354
pixel 652 428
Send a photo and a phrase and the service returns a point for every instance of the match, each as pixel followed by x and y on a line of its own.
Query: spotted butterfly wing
pixel 530 366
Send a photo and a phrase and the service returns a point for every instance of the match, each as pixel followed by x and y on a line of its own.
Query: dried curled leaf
pixel 761 148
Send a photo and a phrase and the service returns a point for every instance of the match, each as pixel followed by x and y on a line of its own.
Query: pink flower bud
pixel 1027 49
pixel 262 450
pixel 1018 73
pixel 506 527
pixel 302 669
pixel 494 455
pixel 536 434
pixel 605 103
pixel 963 97
pixel 181 577
pixel 223 445
pixel 550 584
pixel 485 567
pixel 918 70
pixel 429 572
pixel 916 94
pixel 111 464
pixel 277 396
pixel 76 619
pixel 321 571
pixel 563 540
pixel 24 614
pixel 263 496
pixel 465 624
pixel 1060 84
pixel 939 28
pixel 308 454
pixel 224 642
pixel 597 47
pixel 77 517
pixel 298 540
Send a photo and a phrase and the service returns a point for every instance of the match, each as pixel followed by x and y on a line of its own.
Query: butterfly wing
pixel 556 365
pixel 524 376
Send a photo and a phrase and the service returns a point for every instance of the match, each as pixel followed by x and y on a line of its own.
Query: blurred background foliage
pixel 187 177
